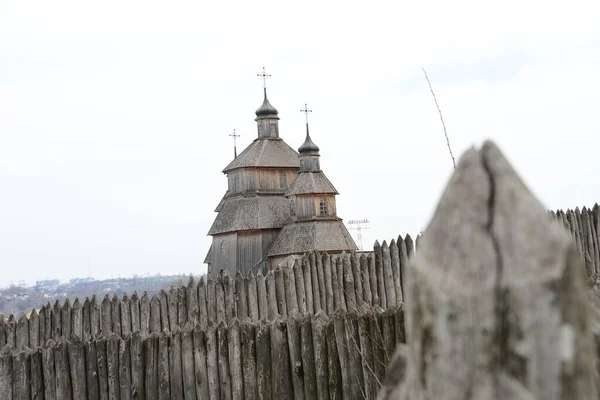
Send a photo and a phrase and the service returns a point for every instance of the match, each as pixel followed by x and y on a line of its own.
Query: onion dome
pixel 266 110
pixel 308 147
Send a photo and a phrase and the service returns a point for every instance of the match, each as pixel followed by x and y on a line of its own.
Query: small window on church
pixel 282 180
pixel 323 207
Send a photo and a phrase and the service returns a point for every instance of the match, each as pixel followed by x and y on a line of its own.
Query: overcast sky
pixel 115 115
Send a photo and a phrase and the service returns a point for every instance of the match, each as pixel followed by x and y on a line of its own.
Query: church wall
pixel 224 252
pixel 308 206
pixel 267 178
pixel 249 250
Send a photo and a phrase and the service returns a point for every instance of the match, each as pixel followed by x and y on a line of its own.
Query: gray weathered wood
pixel 410 250
pixel 321 281
pixel 162 310
pixel 263 361
pixel 271 295
pixel 308 290
pixel 101 355
pixel 366 281
pixel 157 319
pixel 187 361
pixel 295 355
pixel 371 383
pixel 327 275
pixel 191 298
pixel 22 335
pixel 403 257
pixel 355 372
pixel 212 361
pixel 94 317
pixel 182 310
pixel 349 288
pixel 77 368
pixel 173 310
pixel 253 307
pixel 6 374
pixel 263 302
pixel 21 375
pixel 137 365
pixel 300 287
pixel 308 359
pixel 388 275
pixel 223 351
pixel 37 374
pixel 151 367
pixel 380 275
pixel 342 350
pixel 49 371
pixel 63 376
pixel 91 370
pixel 333 362
pixel 11 331
pixel 164 377
pixel 200 357
pixel 211 299
pixel 358 289
pixel 377 344
pixel 291 297
pixel 235 360
pixel 339 265
pixel 106 316
pixel 134 312
pixel 2 333
pixel 499 310
pixel 280 292
pixel 77 319
pixel 145 315
pixel 280 376
pixel 125 389
pixel 241 296
pixel 220 300
pixel 86 328
pixel 316 294
pixel 318 325
pixel 248 343
pixel 175 364
pixel 34 330
pixel 230 307
pixel 65 319
pixel 112 358
pixel 125 315
pixel 202 310
pixel 115 308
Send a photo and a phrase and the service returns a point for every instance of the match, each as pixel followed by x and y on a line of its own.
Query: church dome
pixel 308 146
pixel 266 109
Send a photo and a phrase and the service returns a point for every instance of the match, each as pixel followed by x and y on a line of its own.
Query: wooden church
pixel 278 204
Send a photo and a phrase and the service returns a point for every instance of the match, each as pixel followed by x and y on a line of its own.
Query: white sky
pixel 115 115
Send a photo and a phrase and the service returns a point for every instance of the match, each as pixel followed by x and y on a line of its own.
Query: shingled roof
pixel 272 152
pixel 306 236
pixel 311 182
pixel 251 212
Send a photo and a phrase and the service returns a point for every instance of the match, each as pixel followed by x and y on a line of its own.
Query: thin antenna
pixel 359 227
pixel 234 136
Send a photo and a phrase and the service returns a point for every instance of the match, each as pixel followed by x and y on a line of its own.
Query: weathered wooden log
pixel 77 368
pixel 125 315
pixel 200 368
pixel 358 289
pixel 136 349
pixel 248 345
pixel 134 312
pixel 403 257
pixel 235 360
pixel 22 335
pixel 318 325
pixel 381 278
pixel 499 310
pixel 388 324
pixel 308 290
pixel 45 326
pixel 320 281
pixel 280 292
pixel 271 295
pixel 157 319
pixel 348 277
pixel 182 311
pixel 373 280
pixel 164 376
pixel 335 283
pixel 21 374
pixel 263 302
pixel 418 241
pixel 355 372
pixel 162 311
pixel 86 328
pixel 145 314
pixel 241 296
pixel 327 275
pixel 377 344
pixel 48 366
pixel 211 300
pixel 410 249
pixel 316 295
pixel 371 383
pixel 187 361
pixel 112 358
pixel 300 287
pixel 101 355
pixel 295 354
pixel 191 301
pixel 291 297
pixel 223 350
pixel 94 317
pixel 151 366
pixel 263 361
pixel 280 375
pixel 6 374
pixel 37 375
pixel 333 362
pixel 212 361
pixel 77 319
pixel 65 319
pixel 342 350
pixel 56 324
pixel 253 307
pixel 115 308
pixel 339 264
pixel 202 310
pixel 172 302
pixel 91 370
pixel 125 389
pixel 220 300
pixel 2 333
pixel 399 326
pixel 308 359
pixel 11 331
pixel 34 330
pixel 175 364
pixel 106 316
pixel 395 264
pixel 63 377
pixel 366 281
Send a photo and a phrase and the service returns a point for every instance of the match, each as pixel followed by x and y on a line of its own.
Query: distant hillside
pixel 22 299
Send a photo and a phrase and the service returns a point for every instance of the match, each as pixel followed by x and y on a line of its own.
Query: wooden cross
pixel 305 110
pixel 264 76
pixel 234 136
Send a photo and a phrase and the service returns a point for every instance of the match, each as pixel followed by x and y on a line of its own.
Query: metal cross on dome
pixel 305 110
pixel 234 136
pixel 264 76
